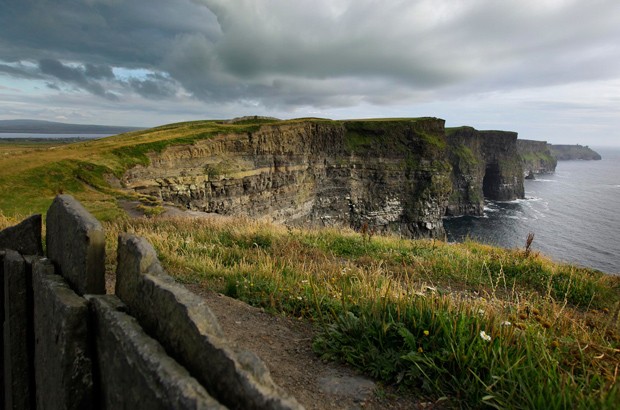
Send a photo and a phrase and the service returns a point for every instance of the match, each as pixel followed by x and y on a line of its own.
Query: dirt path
pixel 285 345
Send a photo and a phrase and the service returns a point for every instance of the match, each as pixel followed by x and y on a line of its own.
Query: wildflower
pixel 506 323
pixel 304 281
pixel 481 312
pixel 299 298
pixel 426 333
pixel 420 350
pixel 484 336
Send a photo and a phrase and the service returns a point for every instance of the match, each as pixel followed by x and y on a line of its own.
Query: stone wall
pixel 153 345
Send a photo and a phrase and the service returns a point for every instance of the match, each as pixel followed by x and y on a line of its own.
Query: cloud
pixel 83 77
pixel 282 55
pixel 154 86
pixel 20 71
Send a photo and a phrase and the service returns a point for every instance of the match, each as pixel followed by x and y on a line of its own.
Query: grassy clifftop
pixel 571 152
pixel 470 323
pixel 34 175
pixel 467 324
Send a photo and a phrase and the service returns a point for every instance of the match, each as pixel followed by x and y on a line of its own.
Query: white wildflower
pixel 484 336
pixel 506 323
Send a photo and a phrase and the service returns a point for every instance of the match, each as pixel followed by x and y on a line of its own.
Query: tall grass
pixel 469 324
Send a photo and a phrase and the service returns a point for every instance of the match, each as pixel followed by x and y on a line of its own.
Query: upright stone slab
pixel 17 355
pixel 134 370
pixel 2 327
pixel 187 328
pixel 24 237
pixel 76 245
pixel 63 357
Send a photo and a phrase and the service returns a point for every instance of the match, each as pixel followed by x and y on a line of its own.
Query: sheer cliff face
pixel 485 164
pixel 536 157
pixel 390 175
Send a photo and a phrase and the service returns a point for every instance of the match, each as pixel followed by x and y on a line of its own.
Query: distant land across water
pixel 45 128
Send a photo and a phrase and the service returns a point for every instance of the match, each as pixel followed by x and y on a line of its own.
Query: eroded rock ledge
pixel 392 175
pixel 536 157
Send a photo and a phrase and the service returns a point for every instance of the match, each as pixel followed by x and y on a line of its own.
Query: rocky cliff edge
pixel 399 175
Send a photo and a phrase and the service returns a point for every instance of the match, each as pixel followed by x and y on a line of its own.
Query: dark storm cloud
pixel 19 71
pixel 81 77
pixel 98 72
pixel 323 53
pixel 154 86
pixel 118 33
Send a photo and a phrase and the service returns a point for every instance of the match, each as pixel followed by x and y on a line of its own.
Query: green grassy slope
pixel 475 324
pixel 32 175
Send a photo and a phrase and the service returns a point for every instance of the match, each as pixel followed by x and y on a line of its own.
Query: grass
pixel 412 312
pixel 35 172
pixel 468 324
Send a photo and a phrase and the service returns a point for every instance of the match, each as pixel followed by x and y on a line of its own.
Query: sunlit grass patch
pixel 476 324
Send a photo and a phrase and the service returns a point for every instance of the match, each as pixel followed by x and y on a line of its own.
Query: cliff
pixel 390 175
pixel 536 157
pixel 485 164
pixel 571 152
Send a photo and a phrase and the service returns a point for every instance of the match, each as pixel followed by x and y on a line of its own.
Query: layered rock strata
pixel 536 157
pixel 485 164
pixel 392 175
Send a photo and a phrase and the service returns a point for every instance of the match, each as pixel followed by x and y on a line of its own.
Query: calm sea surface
pixel 573 213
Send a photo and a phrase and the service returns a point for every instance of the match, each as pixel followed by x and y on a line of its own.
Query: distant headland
pixel 571 152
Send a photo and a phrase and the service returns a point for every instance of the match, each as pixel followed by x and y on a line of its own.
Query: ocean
pixel 574 214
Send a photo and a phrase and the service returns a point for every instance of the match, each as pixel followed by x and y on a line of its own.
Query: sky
pixel 547 69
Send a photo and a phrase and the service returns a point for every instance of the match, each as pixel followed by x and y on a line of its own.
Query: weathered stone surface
pixel 536 158
pixel 76 245
pixel 185 326
pixel 485 164
pixel 134 369
pixel 2 253
pixel 24 237
pixel 63 360
pixel 18 361
pixel 390 175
